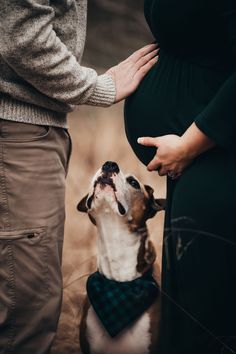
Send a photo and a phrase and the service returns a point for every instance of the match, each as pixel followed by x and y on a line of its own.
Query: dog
pixel 119 206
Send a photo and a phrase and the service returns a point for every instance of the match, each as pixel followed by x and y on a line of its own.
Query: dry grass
pixel 98 136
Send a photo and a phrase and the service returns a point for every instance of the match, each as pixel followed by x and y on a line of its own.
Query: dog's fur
pixel 120 206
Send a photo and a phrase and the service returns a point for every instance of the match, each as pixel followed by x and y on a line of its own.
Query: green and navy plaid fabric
pixel 118 304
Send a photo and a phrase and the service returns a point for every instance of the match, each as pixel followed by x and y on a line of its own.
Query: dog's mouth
pixel 105 180
pixel 104 183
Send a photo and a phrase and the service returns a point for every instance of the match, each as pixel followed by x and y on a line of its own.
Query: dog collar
pixel 119 304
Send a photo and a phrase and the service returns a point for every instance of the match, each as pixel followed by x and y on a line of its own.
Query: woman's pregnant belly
pixel 168 100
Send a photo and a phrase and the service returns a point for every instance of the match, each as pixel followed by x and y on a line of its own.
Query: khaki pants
pixel 33 166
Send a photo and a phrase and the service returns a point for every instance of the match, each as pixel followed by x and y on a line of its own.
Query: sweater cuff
pixel 104 93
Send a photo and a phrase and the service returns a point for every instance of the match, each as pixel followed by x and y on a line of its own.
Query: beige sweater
pixel 41 45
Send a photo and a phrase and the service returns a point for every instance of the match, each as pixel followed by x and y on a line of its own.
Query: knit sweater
pixel 41 45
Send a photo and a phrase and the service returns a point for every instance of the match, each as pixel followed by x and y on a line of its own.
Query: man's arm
pixel 31 48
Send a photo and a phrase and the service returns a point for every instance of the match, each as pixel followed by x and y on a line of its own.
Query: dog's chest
pixel 135 340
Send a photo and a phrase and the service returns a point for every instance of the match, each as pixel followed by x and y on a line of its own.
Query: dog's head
pixel 123 196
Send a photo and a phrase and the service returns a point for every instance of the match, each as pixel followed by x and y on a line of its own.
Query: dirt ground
pixel 98 136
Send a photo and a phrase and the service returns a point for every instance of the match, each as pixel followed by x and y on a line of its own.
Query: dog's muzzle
pixel 108 171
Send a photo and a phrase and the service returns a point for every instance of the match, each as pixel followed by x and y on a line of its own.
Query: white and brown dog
pixel 119 206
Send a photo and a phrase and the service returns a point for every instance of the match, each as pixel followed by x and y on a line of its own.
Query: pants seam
pixel 5 205
pixel 12 297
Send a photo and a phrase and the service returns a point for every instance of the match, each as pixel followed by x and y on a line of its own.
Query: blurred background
pixel 115 29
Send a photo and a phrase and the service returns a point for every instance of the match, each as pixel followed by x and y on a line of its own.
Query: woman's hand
pixel 129 73
pixel 171 157
pixel 175 153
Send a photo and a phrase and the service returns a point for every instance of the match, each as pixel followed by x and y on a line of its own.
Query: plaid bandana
pixel 118 304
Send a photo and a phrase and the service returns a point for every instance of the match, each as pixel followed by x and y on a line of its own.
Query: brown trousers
pixel 33 165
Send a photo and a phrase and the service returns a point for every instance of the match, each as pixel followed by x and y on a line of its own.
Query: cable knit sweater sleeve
pixel 32 48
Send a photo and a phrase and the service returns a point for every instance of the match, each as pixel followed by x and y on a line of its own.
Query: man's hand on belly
pixel 128 74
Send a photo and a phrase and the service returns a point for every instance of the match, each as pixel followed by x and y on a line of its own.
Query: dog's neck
pixel 118 249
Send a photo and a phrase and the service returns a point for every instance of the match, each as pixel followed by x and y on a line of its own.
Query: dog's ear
pixel 159 204
pixel 82 205
pixel 155 205
pixel 149 190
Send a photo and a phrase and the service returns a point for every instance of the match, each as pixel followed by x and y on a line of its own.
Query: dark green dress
pixel 194 81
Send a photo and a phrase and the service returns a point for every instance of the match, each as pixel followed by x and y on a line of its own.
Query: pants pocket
pixel 18 132
pixel 23 269
pixel 69 151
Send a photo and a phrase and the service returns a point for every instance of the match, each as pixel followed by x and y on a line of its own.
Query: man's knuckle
pixel 143 60
pixel 142 52
pixel 143 70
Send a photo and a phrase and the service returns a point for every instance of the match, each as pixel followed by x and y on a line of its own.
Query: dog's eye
pixel 133 182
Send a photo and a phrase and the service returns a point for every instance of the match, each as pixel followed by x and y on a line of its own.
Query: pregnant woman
pixel 185 112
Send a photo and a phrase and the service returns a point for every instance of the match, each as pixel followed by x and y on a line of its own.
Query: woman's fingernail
pixel 140 140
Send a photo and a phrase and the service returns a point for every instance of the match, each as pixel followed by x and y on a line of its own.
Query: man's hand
pixel 128 74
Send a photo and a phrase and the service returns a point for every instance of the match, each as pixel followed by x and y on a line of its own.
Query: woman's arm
pixel 216 124
pixel 195 142
pixel 218 119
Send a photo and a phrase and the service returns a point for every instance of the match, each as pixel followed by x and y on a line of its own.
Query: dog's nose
pixel 110 166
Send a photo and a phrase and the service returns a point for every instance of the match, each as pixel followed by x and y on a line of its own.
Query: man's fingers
pixel 142 52
pixel 140 74
pixel 148 141
pixel 144 60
